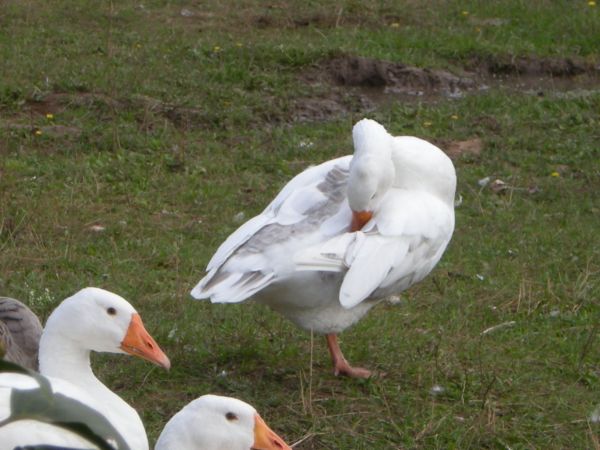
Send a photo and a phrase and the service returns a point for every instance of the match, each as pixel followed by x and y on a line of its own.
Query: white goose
pixel 91 320
pixel 218 423
pixel 342 236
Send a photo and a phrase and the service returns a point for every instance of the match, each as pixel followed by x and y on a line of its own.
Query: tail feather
pixel 231 287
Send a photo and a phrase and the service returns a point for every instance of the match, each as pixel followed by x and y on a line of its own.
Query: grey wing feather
pixel 20 332
pixel 309 203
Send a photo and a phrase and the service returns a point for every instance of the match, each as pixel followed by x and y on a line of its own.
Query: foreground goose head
pixel 218 423
pixel 371 170
pixel 95 320
pixel 91 320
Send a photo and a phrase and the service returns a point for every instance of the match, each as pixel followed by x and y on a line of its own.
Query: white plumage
pixel 342 236
pixel 91 320
pixel 218 423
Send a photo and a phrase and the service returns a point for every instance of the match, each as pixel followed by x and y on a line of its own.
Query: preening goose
pixel 20 331
pixel 91 320
pixel 218 423
pixel 342 236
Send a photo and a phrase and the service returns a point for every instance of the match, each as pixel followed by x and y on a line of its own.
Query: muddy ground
pixel 348 84
pixel 355 84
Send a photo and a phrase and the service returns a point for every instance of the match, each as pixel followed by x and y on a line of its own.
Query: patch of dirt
pixel 526 65
pixel 56 102
pixel 49 104
pixel 396 78
pixel 457 149
pixel 327 107
pixel 316 109
pixel 349 84
pixel 559 77
pixel 358 84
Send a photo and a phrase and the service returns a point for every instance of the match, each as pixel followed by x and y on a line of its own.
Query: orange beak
pixel 138 342
pixel 265 438
pixel 359 219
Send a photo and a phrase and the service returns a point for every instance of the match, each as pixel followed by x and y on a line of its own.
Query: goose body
pixel 91 320
pixel 218 423
pixel 342 236
pixel 34 432
pixel 20 332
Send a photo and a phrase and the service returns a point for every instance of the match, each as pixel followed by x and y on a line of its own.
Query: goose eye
pixel 231 416
pixel 111 311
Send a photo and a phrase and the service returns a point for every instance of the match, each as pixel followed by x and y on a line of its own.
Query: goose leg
pixel 340 365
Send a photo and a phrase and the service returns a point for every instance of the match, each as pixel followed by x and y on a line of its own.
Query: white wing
pixel 256 253
pixel 33 432
pixel 399 246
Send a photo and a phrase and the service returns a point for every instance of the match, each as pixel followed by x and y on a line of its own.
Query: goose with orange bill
pixel 213 422
pixel 91 320
pixel 342 236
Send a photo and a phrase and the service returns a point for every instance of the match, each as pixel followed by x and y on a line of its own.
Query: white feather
pixel 371 264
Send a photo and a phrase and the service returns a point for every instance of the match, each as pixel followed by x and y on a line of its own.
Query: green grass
pixel 165 127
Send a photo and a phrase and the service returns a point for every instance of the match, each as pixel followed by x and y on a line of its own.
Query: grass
pixel 164 127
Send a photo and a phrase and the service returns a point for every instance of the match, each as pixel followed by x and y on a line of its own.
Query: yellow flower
pixel 465 13
pixel 555 174
pixel 138 45
pixel 216 49
pixel 49 116
pixel 395 25
pixel 38 132
pixel 454 117
pixel 427 124
pixel 592 3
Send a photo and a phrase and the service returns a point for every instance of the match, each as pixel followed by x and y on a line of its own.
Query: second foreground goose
pixel 212 422
pixel 91 320
pixel 342 236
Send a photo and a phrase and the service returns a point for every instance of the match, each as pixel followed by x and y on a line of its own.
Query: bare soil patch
pixel 457 149
pixel 358 84
pixel 57 102
pixel 395 77
pixel 529 65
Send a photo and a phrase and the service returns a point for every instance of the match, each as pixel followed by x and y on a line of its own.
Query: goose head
pixel 98 320
pixel 213 422
pixel 371 170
